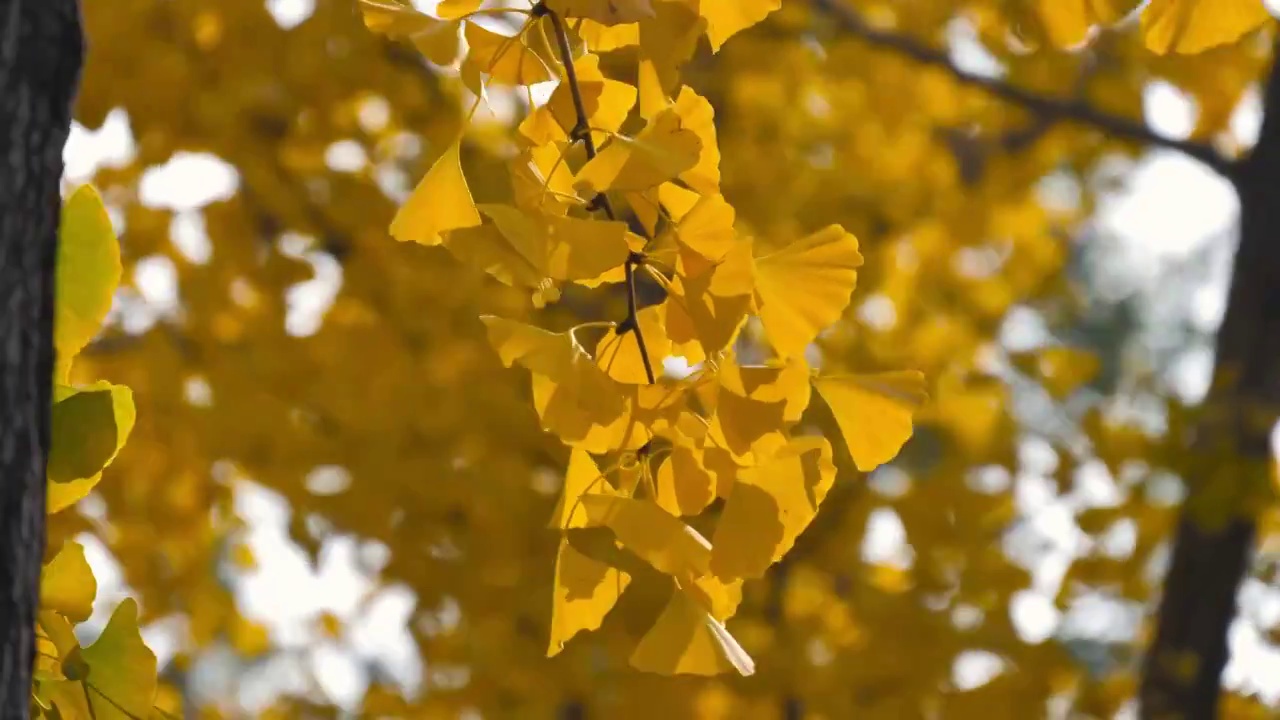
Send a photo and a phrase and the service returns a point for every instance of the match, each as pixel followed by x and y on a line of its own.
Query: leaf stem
pixel 581 132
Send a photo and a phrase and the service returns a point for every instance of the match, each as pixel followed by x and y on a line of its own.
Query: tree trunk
pixel 1184 664
pixel 41 51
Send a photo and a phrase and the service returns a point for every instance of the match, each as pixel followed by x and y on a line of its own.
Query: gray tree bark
pixel 1184 664
pixel 41 52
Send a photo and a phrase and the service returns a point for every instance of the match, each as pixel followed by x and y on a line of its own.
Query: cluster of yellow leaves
pixel 115 677
pixel 1168 26
pixel 676 445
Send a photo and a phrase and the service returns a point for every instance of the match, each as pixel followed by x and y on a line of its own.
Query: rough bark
pixel 1184 664
pixel 41 51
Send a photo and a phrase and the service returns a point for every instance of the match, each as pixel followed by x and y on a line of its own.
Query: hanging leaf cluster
pixel 115 676
pixel 617 183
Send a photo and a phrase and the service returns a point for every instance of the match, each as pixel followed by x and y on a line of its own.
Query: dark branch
pixel 1050 109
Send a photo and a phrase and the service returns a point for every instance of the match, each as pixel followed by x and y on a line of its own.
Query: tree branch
pixel 1048 108
pixel 581 132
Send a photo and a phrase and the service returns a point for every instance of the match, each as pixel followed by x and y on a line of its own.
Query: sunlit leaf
pixel 67 584
pixel 121 668
pixel 873 411
pixel 687 640
pixel 663 150
pixel 1192 26
pixel 585 591
pixel 805 287
pixel 87 276
pixel 441 202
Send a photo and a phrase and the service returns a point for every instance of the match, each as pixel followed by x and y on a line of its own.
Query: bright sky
pixel 1171 209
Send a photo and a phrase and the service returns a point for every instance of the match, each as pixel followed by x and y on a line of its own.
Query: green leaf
pixel 90 425
pixel 121 668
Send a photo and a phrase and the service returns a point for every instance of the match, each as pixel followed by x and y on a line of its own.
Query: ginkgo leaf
pixel 769 506
pixel 86 435
pixel 687 640
pixel 441 202
pixel 89 425
pixel 663 150
pixel 805 287
pixel 541 182
pixel 599 37
pixel 508 60
pixel 1067 22
pixel 1192 26
pixel 726 18
pixel 436 39
pixel 605 101
pixel 563 248
pixel 685 486
pixel 87 275
pixel 67 584
pixel 582 476
pixel 708 310
pixel 585 591
pixel 647 530
pixel 121 668
pixel 697 115
pixel 456 9
pixel 605 12
pixel 572 396
pixel 873 412
pixel 618 353
pixel 704 235
pixel 756 404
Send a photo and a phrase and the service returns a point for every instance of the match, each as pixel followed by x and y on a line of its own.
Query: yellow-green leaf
pixel 67 584
pixel 121 667
pixel 87 275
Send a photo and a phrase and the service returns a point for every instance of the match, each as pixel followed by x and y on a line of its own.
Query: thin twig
pixel 581 132
pixel 1051 109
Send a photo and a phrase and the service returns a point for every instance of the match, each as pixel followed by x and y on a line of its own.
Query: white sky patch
pixel 289 14
pixel 188 181
pixel 109 146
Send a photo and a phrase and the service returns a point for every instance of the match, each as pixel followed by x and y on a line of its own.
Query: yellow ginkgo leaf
pixel 618 352
pixel 725 18
pixel 1067 22
pixel 662 151
pixel 441 202
pixel 567 248
pixel 585 591
pixel 582 476
pixel 436 39
pixel 121 676
pixel 604 38
pixel 704 235
pixel 697 115
pixel 541 182
pixel 769 506
pixel 508 60
pixel 67 584
pixel 87 275
pixel 705 312
pixel 87 434
pixel 456 9
pixel 685 486
pixel 873 412
pixel 605 12
pixel 650 532
pixel 1192 26
pixel 606 103
pixel 755 406
pixel 805 287
pixel 687 640
pixel 572 396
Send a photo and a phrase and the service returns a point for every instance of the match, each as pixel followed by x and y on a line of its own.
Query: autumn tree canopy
pixel 705 358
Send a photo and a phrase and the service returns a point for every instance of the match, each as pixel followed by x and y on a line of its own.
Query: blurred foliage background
pixel 335 499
